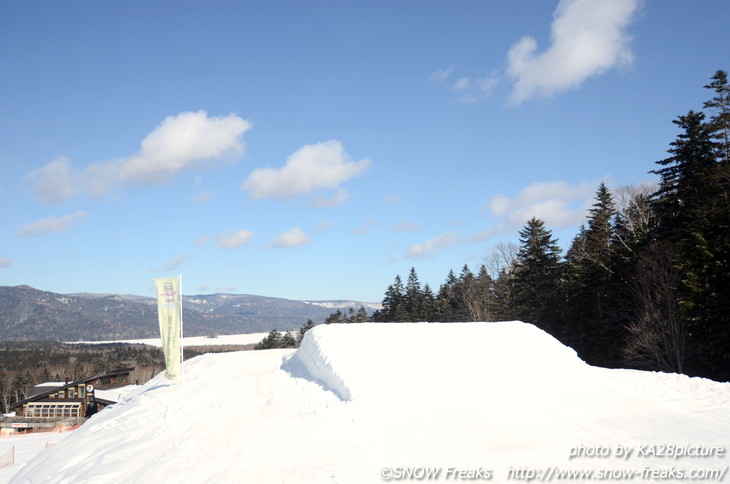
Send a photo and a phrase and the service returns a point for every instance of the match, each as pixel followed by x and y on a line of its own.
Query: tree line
pixel 24 364
pixel 644 284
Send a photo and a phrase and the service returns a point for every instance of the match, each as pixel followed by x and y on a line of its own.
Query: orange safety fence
pixel 39 431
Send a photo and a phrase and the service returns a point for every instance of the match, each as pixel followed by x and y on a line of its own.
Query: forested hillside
pixel 30 314
pixel 644 284
pixel 24 364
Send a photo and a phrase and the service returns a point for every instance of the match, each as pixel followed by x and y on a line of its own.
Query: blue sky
pixel 314 150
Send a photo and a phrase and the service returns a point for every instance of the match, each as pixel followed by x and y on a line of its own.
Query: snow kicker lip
pixel 369 360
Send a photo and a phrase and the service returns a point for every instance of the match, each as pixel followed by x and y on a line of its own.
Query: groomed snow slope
pixel 357 399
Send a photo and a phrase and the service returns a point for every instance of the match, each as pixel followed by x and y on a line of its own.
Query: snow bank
pixel 428 360
pixel 358 401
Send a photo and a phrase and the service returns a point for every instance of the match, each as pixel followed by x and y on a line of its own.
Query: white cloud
pixel 407 226
pixel 435 244
pixel 203 240
pixel 472 90
pixel 365 227
pixel 556 203
pixel 324 226
pixel 440 76
pixel 487 234
pixel 231 240
pixel 588 37
pixel 5 262
pixel 291 238
pixel 321 201
pixel 172 265
pixel 182 142
pixel 50 224
pixel 468 89
pixel 462 84
pixel 203 197
pixel 55 182
pixel 310 168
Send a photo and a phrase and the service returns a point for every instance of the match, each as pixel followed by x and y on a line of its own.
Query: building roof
pixel 113 395
pixel 43 387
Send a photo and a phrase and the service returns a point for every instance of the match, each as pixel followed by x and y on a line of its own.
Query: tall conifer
pixel 537 278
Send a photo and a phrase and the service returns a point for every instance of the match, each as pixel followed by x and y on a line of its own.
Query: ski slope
pixel 410 401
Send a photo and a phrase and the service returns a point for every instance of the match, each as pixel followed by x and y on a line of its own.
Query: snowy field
pixel 26 447
pixel 366 403
pixel 228 339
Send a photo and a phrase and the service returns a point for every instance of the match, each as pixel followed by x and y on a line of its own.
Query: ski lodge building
pixel 58 404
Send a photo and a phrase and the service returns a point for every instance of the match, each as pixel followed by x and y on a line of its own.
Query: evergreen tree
pixel 592 288
pixel 275 339
pixel 719 224
pixel 361 316
pixel 394 308
pixel 693 219
pixel 538 281
pixel 413 298
pixel 720 106
pixel 288 341
pixel 687 177
pixel 335 318
pixel 271 340
pixel 462 294
pixel 446 305
pixel 45 376
pixel 350 315
pixel 430 306
pixel 22 384
pixel 303 330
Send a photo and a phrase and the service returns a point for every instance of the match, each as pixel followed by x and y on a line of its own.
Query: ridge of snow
pixel 366 360
pixel 356 398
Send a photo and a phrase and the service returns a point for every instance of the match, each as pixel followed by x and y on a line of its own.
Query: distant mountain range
pixel 31 314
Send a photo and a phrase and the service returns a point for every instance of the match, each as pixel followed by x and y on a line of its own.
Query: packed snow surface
pixel 366 402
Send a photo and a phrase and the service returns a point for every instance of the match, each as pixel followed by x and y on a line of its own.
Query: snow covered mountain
pixel 30 314
pixel 372 402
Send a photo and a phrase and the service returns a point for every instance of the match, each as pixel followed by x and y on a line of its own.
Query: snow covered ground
pixel 26 447
pixel 412 401
pixel 227 339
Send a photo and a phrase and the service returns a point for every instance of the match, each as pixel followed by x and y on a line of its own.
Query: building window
pixel 71 393
pixel 53 410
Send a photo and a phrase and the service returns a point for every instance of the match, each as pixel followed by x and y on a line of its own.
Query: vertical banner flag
pixel 169 312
